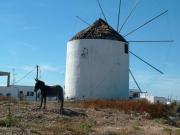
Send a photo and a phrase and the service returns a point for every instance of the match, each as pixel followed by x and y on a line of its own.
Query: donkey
pixel 49 91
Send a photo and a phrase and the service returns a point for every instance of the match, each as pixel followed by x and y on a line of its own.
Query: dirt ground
pixel 28 119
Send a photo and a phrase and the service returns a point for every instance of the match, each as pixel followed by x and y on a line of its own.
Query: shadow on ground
pixel 71 113
pixel 65 112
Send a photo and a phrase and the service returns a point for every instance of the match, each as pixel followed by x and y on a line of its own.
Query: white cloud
pixel 27 68
pixel 12 52
pixel 168 82
pixel 29 46
pixel 49 68
pixel 43 68
pixel 143 78
pixel 158 85
pixel 30 27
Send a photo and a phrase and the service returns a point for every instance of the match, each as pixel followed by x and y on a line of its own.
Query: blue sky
pixel 36 32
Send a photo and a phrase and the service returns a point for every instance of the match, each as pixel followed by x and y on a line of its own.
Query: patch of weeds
pixel 64 120
pixel 138 106
pixel 162 121
pixel 86 127
pixel 168 130
pixel 3 102
pixel 24 103
pixel 10 119
pixel 68 126
pixel 111 133
pixel 3 98
pixel 2 123
pixel 136 127
pixel 33 131
pixel 177 132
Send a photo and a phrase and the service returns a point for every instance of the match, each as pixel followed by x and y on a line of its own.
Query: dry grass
pixel 100 118
pixel 139 106
pixel 3 98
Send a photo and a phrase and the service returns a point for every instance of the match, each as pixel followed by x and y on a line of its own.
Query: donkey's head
pixel 38 85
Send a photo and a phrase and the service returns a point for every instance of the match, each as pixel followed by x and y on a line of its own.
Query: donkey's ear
pixel 36 79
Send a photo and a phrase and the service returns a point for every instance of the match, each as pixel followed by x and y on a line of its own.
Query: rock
pixel 174 121
pixel 178 123
pixel 146 115
pixel 2 123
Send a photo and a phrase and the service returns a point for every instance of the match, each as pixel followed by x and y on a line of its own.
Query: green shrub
pixel 168 130
pixel 85 127
pixel 10 119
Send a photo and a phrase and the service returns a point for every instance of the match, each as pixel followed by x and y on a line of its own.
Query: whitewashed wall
pixel 101 73
pixel 153 99
pixel 15 89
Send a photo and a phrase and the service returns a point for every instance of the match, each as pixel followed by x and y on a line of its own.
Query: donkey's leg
pixel 57 98
pixel 41 101
pixel 44 102
pixel 61 108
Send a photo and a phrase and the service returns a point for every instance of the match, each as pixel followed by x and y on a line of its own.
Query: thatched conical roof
pixel 99 30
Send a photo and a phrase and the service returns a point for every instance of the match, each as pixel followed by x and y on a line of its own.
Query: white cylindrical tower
pixel 97 64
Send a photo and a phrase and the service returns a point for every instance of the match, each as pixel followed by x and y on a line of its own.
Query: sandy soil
pixel 28 119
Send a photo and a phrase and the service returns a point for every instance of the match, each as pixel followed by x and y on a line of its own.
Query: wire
pixel 82 20
pixel 150 41
pixel 102 10
pixel 119 13
pixel 146 62
pixel 24 76
pixel 131 12
pixel 152 19
pixel 135 80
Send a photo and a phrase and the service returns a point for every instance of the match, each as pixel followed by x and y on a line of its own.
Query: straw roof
pixel 99 30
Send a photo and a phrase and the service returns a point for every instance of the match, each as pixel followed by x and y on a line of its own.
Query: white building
pixel 97 64
pixel 16 91
pixel 153 99
pixel 134 94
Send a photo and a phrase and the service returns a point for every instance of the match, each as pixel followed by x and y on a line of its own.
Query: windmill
pixel 97 64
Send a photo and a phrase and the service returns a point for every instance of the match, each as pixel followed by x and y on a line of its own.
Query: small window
pixel 8 94
pixel 28 94
pixel 32 93
pixel 126 48
pixel 135 95
pixel 21 92
pixel 20 95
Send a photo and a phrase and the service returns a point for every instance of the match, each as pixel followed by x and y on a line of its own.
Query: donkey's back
pixel 55 90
